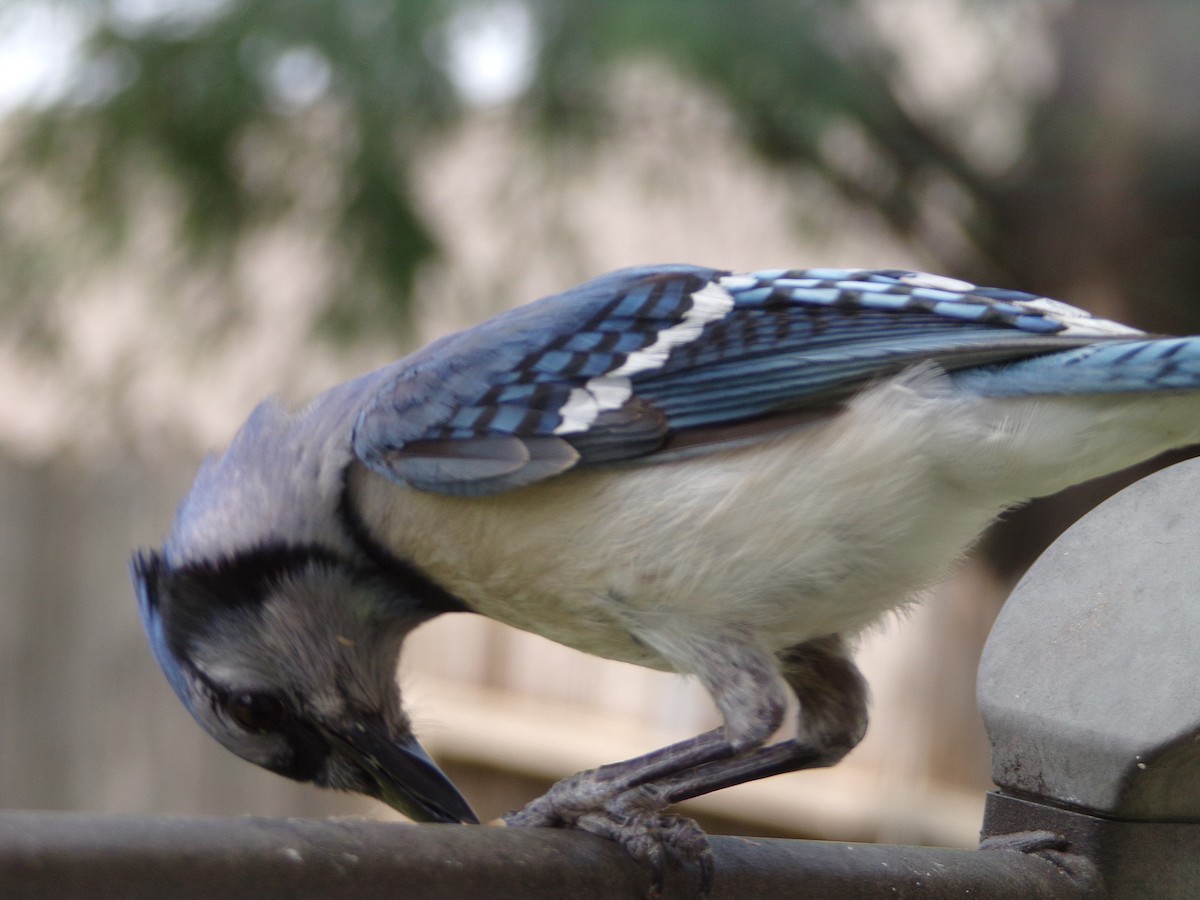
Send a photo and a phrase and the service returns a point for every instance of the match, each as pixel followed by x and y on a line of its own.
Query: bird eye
pixel 256 712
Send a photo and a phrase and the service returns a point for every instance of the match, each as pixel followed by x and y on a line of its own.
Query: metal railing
pixel 74 856
pixel 1088 688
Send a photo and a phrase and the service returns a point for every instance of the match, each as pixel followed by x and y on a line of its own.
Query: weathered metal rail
pixel 68 856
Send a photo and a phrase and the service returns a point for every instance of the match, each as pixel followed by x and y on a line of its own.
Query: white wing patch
pixel 738 282
pixel 939 282
pixel 612 390
pixel 586 403
pixel 1078 321
pixel 710 303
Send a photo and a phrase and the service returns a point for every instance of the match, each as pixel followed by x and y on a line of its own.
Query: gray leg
pixel 833 719
pixel 624 801
pixel 746 685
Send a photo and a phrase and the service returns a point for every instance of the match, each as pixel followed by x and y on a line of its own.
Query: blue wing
pixel 644 363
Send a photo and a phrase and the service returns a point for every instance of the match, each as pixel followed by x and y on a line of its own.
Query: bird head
pixel 286 655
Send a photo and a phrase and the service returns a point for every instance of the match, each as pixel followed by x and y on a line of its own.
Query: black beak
pixel 405 777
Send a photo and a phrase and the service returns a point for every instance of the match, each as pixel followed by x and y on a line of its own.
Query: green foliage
pixel 246 112
pixel 177 99
pixel 184 98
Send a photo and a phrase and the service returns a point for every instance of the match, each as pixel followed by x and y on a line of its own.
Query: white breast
pixel 819 531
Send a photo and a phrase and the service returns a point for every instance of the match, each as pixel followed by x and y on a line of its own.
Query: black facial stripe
pixel 147 567
pixel 307 753
pixel 243 579
pixel 307 749
pixel 192 596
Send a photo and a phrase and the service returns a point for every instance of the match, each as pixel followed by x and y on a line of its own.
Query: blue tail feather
pixel 1110 367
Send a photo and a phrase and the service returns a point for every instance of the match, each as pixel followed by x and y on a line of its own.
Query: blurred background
pixel 204 202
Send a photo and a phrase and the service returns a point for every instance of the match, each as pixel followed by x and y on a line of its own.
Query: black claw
pixel 658 872
pixel 708 873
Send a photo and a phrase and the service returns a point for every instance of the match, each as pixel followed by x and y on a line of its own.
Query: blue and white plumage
pixel 719 474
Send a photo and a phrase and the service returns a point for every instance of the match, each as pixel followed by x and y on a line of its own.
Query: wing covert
pixel 631 364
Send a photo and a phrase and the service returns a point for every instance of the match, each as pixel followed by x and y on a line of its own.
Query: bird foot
pixel 563 804
pixel 632 818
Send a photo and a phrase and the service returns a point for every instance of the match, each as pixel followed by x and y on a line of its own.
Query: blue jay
pixel 723 475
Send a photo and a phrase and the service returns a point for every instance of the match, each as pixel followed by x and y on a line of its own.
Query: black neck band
pixel 430 595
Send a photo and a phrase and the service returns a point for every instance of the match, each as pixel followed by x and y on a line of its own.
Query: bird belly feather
pixel 817 532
